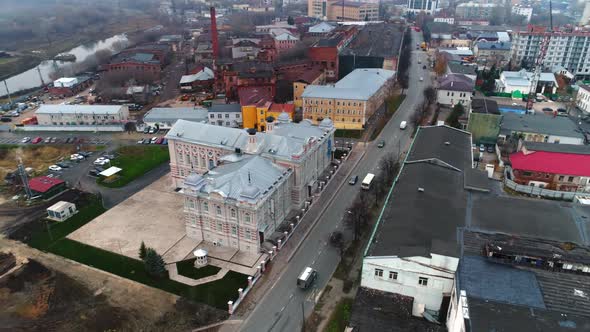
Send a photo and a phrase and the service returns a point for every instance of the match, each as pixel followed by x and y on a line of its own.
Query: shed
pixel 110 174
pixel 61 211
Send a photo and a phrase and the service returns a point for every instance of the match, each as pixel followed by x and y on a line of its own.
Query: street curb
pixel 312 226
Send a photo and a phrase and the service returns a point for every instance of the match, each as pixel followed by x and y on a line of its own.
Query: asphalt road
pixel 281 309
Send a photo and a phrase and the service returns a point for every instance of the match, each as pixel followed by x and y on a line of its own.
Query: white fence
pixel 536 191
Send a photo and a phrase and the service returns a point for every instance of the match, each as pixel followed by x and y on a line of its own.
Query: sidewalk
pixel 275 270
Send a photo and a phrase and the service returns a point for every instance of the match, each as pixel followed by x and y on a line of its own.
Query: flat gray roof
pixel 541 124
pixel 360 84
pixel 175 113
pixel 79 109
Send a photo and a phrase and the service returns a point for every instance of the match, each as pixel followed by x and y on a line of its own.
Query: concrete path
pixel 173 274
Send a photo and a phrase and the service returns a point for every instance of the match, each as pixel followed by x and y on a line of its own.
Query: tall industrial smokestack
pixel 214 38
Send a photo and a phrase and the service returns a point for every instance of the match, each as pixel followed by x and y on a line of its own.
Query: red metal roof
pixel 552 162
pixel 287 108
pixel 42 184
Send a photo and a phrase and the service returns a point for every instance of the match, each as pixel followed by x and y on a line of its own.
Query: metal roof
pixel 110 171
pixel 541 124
pixel 249 179
pixel 321 28
pixel 287 140
pixel 203 75
pixel 162 114
pixel 226 108
pixel 360 84
pixel 79 109
pixel 60 206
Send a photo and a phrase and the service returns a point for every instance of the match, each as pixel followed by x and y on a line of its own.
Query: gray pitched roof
pixel 287 141
pixel 226 108
pixel 541 124
pixel 78 109
pixel 457 68
pixel 456 82
pixel 159 114
pixel 360 84
pixel 248 179
pixel 552 147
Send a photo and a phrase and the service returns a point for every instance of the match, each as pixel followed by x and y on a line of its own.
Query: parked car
pixel 146 141
pixel 159 140
pixel 53 139
pixel 490 149
pixel 101 161
pixel 85 154
pixel 482 148
pixel 37 140
pixel 93 172
pixel 98 169
pixel 381 144
pixel 140 141
pixel 165 141
pixel 547 109
pixel 25 140
pixel 47 140
pixel 561 110
pixel 153 130
pixel 147 129
pixel 54 168
pixel 5 119
pixel 109 156
pixel 353 180
pixel 76 157
pixel 154 139
pixel 63 164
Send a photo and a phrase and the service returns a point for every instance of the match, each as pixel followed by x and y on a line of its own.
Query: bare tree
pixel 337 241
pixel 430 95
pixel 389 166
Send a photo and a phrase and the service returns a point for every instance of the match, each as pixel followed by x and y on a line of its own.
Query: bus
pixel 367 181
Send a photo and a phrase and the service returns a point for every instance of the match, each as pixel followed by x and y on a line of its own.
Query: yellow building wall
pixel 249 117
pixel 298 89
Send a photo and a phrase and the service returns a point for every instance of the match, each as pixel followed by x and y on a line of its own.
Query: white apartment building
pixel 474 10
pixel 226 115
pixel 523 11
pixel 427 6
pixel 241 184
pixel 583 98
pixel 317 8
pixel 566 49
pixel 82 115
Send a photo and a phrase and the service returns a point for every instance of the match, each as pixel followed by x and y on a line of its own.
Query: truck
pixel 29 121
pixel 366 184
pixel 306 278
pixel 423 46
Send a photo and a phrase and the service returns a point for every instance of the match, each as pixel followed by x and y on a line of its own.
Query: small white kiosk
pixel 202 257
pixel 61 211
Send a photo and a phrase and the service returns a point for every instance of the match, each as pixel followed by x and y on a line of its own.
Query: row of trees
pixel 403 77
pixel 421 111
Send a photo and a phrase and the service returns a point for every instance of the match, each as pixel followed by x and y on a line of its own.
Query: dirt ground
pixel 51 293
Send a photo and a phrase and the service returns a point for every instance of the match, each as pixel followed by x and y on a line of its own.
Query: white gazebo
pixel 202 257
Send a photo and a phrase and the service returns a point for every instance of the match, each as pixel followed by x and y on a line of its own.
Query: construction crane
pixel 539 62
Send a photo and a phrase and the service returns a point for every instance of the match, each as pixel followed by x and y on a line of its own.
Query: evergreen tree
pixel 142 251
pixel 290 20
pixel 154 264
pixel 453 118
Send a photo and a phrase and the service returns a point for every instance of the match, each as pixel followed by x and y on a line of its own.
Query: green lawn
pixel 89 209
pixel 135 161
pixel 187 268
pixel 340 316
pixel 394 102
pixel 348 133
pixel 215 293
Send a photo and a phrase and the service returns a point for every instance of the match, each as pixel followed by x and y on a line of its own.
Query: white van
pixel 403 125
pixel 306 278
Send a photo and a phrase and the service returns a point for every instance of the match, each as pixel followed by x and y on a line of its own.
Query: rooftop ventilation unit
pixel 420 189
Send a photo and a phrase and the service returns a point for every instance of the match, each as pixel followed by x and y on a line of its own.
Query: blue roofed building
pixel 489 53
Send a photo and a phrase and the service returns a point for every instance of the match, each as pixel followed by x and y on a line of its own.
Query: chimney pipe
pixel 214 38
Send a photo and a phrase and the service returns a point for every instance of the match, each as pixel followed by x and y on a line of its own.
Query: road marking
pixel 282 309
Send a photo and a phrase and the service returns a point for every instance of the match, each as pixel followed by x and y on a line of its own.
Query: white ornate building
pixel 239 185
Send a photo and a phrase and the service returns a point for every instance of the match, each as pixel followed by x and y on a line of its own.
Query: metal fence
pixel 536 191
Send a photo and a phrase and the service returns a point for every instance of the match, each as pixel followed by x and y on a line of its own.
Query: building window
pixel 206 207
pixel 561 178
pixel 423 281
pixel 234 230
pixel 247 218
pixel 392 275
pixel 570 179
pixel 191 204
pixel 227 115
pixel 218 210
pixel 219 226
pixel 233 213
pixel 378 273
pixel 219 116
pixel 248 234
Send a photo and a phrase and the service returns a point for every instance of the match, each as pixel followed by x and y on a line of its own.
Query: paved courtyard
pixel 155 215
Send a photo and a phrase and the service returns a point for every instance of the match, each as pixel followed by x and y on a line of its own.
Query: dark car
pixel 490 149
pixel 147 141
pixel 5 119
pixel 146 129
pixel 547 109
pixel 561 110
pixel 63 164
pixel 381 144
pixel 98 169
pixel 353 180
pixel 85 154
pixel 93 172
pixel 424 67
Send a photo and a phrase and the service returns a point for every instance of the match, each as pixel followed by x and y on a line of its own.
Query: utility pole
pixel 303 315
pixel 8 93
pixel 40 77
